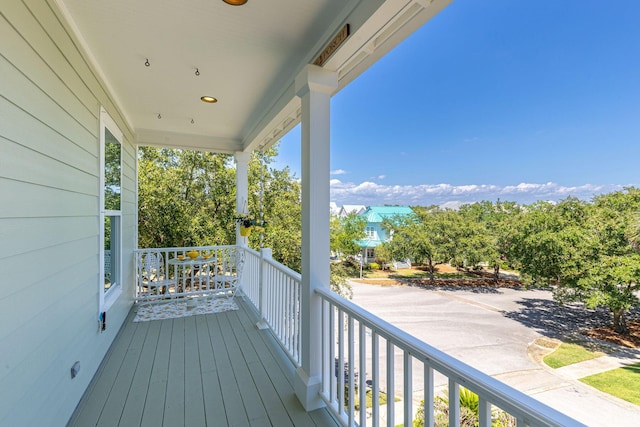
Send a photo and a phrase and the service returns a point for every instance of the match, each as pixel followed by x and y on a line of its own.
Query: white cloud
pixel 381 177
pixel 339 172
pixel 448 195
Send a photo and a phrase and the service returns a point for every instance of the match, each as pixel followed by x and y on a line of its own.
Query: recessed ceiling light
pixel 209 99
pixel 235 2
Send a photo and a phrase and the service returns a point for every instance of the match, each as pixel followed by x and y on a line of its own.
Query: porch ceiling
pixel 247 57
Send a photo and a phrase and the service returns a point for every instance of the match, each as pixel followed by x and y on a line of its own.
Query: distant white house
pixel 334 209
pixel 345 210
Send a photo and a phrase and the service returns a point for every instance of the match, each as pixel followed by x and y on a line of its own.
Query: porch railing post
pixel 265 254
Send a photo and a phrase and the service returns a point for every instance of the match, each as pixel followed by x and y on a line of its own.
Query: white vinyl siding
pixel 49 217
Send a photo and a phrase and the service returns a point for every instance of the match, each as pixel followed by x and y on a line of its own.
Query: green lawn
pixel 622 382
pixel 568 354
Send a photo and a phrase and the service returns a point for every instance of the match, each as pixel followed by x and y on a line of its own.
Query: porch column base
pixel 308 390
pixel 262 325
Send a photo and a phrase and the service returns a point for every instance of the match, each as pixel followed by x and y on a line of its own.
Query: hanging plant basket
pixel 245 231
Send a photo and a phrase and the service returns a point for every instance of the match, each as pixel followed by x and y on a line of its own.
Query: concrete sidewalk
pixel 600 364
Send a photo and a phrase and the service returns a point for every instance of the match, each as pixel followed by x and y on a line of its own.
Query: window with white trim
pixel 110 211
pixel 370 232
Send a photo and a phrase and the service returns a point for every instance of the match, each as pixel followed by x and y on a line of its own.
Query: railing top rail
pixel 181 248
pixel 498 393
pixel 283 268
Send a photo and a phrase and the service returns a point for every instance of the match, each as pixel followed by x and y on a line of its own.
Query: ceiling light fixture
pixel 208 99
pixel 197 72
pixel 235 2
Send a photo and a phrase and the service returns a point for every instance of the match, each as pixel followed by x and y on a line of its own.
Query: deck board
pixel 209 370
pixel 153 411
pixel 134 405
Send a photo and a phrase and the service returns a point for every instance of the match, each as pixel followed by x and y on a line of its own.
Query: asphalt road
pixel 491 330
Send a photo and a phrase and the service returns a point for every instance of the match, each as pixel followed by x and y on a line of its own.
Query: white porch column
pixel 242 190
pixel 314 86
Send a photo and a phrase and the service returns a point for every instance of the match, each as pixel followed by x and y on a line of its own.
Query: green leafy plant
pixel 469 411
pixel 247 220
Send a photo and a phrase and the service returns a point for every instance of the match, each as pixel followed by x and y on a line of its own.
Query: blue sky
pixel 513 99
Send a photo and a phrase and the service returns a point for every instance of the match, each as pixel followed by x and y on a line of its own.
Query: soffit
pixel 247 57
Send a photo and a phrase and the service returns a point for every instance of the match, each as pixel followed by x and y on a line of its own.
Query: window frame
pixel 370 231
pixel 108 297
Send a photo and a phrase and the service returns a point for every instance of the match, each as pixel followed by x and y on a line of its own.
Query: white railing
pixel 272 288
pixel 361 351
pixel 358 345
pixel 251 283
pixel 279 304
pixel 166 277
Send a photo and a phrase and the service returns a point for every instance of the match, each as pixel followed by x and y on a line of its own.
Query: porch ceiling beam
pixel 187 141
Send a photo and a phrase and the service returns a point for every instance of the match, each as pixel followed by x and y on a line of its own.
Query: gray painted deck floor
pixel 208 370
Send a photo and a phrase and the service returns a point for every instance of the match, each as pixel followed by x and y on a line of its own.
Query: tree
pixel 185 198
pixel 612 279
pixel 582 250
pixel 419 238
pixel 275 198
pixel 345 232
pixel 634 232
pixel 548 243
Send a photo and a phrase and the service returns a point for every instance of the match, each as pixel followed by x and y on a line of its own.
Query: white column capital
pixel 242 156
pixel 316 79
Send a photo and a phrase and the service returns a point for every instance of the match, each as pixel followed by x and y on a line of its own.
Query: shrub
pixel 469 405
pixel 374 266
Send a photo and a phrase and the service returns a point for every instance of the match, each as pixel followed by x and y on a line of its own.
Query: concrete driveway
pixel 491 330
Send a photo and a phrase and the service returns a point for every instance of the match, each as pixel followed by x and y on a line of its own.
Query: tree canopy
pixel 585 251
pixel 188 198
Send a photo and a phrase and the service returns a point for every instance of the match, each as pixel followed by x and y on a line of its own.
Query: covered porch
pixel 214 369
pixel 110 76
pixel 240 366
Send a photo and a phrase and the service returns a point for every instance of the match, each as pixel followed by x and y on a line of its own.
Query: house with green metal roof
pixel 375 234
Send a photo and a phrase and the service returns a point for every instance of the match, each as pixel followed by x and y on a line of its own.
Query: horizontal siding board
pixel 41 294
pixel 19 272
pixel 23 58
pixel 24 25
pixel 33 345
pixel 19 163
pixel 26 200
pixel 15 87
pixel 49 169
pixel 51 394
pixel 72 283
pixel 58 30
pixel 28 236
pixel 19 126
